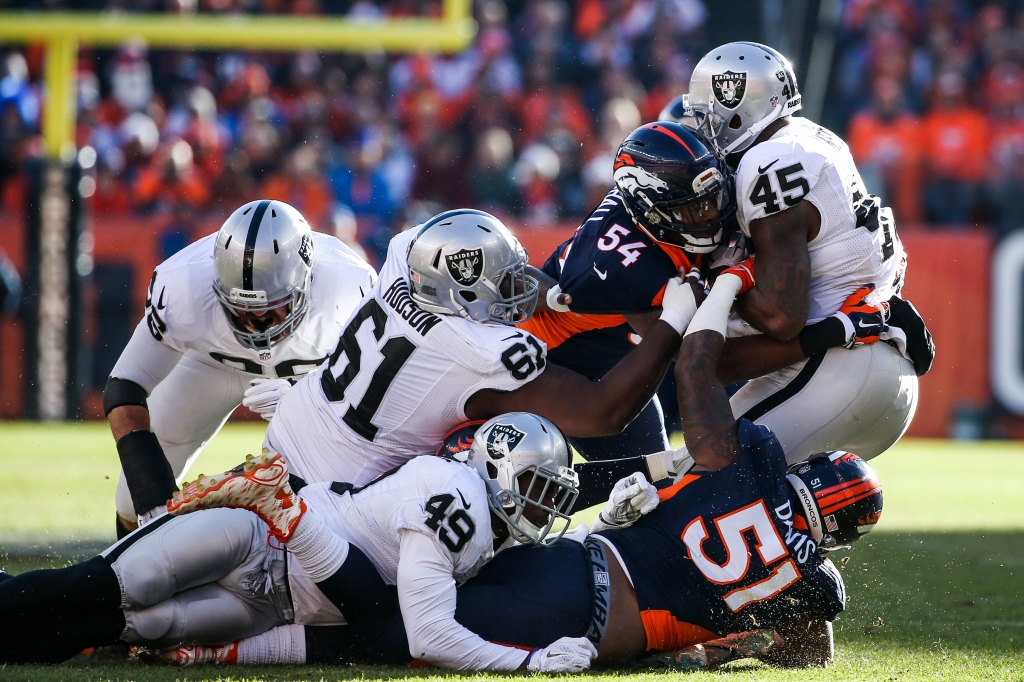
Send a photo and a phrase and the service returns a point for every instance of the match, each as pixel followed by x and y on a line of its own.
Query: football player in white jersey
pixel 819 237
pixel 234 317
pixel 211 576
pixel 432 346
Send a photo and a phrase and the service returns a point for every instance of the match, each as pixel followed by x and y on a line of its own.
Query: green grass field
pixel 936 592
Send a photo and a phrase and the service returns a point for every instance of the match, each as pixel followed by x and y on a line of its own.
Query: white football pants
pixel 186 410
pixel 208 577
pixel 860 400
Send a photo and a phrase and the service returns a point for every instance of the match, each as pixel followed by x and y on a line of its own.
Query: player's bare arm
pixel 708 424
pixel 584 408
pixel 778 303
pixel 127 418
pixel 749 357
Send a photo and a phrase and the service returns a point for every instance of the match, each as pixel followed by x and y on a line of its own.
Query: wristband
pixel 821 336
pixel 146 470
pixel 120 392
pixel 713 313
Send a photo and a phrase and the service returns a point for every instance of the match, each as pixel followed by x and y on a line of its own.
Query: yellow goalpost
pixel 62 32
pixel 53 217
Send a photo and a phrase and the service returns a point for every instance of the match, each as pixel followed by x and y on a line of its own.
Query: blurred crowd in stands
pixel 929 94
pixel 524 123
pixel 936 90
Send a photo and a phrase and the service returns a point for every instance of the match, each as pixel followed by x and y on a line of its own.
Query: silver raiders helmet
pixel 737 90
pixel 466 262
pixel 526 465
pixel 264 258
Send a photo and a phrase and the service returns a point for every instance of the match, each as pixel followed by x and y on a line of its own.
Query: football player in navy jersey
pixel 690 570
pixel 672 203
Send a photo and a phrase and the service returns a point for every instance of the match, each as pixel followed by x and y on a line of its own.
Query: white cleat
pixel 260 484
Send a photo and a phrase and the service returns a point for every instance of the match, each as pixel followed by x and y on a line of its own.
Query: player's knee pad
pixel 146 578
pixel 158 623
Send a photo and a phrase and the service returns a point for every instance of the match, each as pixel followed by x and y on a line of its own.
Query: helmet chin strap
pixel 753 131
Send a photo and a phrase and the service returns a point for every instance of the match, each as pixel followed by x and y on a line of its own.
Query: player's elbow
pixel 425 648
pixel 784 327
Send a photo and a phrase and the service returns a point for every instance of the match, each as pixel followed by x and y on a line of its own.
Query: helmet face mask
pixel 466 262
pixel 536 508
pixel 264 259
pixel 525 463
pixel 840 496
pixel 675 186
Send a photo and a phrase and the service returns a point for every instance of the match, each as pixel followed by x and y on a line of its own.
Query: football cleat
pixel 260 484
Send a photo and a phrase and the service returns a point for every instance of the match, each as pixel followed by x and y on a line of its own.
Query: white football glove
pixel 566 655
pixel 631 498
pixel 669 463
pixel 263 395
pixel 679 304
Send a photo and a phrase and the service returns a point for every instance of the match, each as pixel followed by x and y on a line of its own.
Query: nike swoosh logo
pixel 860 323
pixel 602 275
pixel 160 304
pixel 464 503
pixel 762 170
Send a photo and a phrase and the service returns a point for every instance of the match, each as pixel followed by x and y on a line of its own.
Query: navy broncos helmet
pixel 840 495
pixel 675 186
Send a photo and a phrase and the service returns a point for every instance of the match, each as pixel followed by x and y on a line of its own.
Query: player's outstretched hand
pixel 631 498
pixel 263 395
pixel 566 655
pixel 867 320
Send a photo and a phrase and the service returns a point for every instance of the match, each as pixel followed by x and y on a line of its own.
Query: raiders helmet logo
pixel 306 250
pixel 729 88
pixel 502 440
pixel 465 266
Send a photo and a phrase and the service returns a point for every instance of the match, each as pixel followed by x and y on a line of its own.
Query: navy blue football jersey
pixel 610 267
pixel 721 554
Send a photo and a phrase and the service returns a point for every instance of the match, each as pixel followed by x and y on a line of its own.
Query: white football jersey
pixel 805 161
pixel 184 314
pixel 442 499
pixel 397 382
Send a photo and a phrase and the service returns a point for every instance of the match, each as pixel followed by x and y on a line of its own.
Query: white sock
pixel 320 551
pixel 281 645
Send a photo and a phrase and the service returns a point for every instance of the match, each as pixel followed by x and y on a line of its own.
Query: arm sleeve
pixel 145 360
pixel 427 595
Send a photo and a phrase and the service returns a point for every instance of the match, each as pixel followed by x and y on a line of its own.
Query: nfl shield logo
pixel 465 266
pixel 729 88
pixel 306 250
pixel 502 440
pixel 264 355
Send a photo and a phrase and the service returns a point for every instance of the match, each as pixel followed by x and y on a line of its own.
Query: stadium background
pixel 930 96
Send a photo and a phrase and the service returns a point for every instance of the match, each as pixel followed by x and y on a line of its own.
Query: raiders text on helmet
pixel 526 465
pixel 839 494
pixel 466 262
pixel 737 90
pixel 675 186
pixel 264 259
